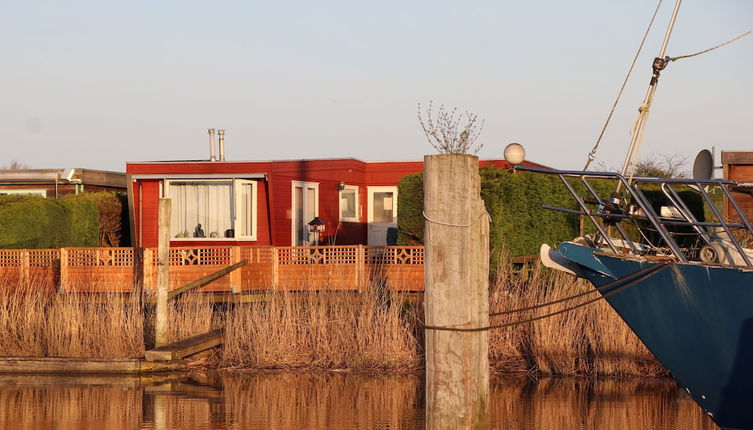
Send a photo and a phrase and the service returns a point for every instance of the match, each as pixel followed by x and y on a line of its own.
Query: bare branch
pixel 450 132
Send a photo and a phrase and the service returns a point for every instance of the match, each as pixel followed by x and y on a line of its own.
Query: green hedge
pixel 36 222
pixel 514 200
pixel 112 209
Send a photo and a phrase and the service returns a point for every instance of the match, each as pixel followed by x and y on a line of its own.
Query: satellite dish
pixel 703 166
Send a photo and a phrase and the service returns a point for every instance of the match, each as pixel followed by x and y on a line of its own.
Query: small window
pixel 349 204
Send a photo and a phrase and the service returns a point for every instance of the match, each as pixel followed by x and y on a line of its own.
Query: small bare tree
pixel 451 132
pixel 14 165
pixel 657 166
pixel 662 166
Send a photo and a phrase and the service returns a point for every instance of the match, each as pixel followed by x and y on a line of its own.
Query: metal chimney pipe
pixel 221 134
pixel 211 145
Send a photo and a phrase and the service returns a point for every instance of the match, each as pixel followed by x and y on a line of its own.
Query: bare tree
pixel 662 166
pixel 14 165
pixel 451 132
pixel 658 166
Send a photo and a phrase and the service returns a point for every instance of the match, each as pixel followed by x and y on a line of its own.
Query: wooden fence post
pixel 63 270
pixel 457 280
pixel 275 268
pixel 235 275
pixel 148 268
pixel 163 272
pixel 25 269
pixel 361 260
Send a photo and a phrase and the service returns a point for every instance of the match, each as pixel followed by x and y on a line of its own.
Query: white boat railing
pixel 716 244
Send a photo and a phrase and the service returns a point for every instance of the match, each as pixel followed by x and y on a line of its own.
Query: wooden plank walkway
pixel 68 365
pixel 184 348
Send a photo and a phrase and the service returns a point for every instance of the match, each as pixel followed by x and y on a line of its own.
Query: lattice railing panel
pixel 394 255
pixel 10 258
pixel 114 257
pixel 200 256
pixel 296 255
pixel 43 257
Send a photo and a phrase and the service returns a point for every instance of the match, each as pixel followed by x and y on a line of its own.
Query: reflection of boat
pixel 683 284
pixel 689 301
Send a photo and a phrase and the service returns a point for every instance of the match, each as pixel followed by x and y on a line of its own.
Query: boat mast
pixel 660 63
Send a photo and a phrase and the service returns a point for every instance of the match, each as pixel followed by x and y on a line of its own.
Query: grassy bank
pixel 371 330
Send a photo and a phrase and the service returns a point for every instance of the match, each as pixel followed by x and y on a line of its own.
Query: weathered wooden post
pixel 163 271
pixel 63 270
pixel 456 295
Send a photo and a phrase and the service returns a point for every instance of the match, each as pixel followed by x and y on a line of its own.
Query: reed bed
pixel 374 329
pixel 588 340
pixel 365 330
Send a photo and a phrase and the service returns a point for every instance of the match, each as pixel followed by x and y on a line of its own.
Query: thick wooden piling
pixel 456 295
pixel 163 272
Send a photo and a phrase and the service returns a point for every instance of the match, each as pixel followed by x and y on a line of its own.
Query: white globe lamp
pixel 515 153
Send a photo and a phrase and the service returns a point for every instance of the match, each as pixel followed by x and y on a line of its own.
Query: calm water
pixel 331 401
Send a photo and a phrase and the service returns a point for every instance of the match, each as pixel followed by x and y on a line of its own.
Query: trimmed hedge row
pixel 34 222
pixel 514 200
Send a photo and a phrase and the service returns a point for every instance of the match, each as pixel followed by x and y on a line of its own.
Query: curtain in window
pixel 201 209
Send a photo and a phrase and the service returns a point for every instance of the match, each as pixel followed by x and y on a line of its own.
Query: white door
pixel 305 207
pixel 382 213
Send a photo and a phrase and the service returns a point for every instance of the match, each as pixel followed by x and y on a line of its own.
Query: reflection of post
pixel 456 294
pixel 163 272
pixel 160 411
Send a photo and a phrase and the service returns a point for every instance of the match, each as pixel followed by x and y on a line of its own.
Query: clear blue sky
pixel 96 83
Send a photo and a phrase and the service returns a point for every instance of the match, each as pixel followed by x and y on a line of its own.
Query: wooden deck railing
pixel 269 268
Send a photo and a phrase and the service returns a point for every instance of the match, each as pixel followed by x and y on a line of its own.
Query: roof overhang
pixel 200 176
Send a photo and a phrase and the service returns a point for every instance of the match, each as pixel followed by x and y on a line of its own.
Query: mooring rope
pixel 590 291
pixel 645 276
pixel 449 224
pixel 734 39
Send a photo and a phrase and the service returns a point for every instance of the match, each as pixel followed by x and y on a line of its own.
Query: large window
pixel 349 204
pixel 213 209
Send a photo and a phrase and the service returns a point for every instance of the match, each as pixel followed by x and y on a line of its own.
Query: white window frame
pixel 356 209
pixel 235 209
pixel 41 193
pixel 370 211
pixel 305 185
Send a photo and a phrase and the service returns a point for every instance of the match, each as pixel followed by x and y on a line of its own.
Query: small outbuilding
pixel 55 183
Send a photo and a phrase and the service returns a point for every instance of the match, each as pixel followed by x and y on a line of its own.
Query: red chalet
pixel 268 202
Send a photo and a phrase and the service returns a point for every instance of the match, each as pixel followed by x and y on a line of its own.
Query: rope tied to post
pixel 449 224
pixel 639 276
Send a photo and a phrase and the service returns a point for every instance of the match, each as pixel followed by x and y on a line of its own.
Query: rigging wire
pixel 592 154
pixel 734 39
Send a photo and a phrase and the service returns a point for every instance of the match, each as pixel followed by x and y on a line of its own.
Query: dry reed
pixel 589 340
pixel 369 330
pixel 363 330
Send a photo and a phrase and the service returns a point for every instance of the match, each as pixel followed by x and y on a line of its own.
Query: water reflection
pixel 328 401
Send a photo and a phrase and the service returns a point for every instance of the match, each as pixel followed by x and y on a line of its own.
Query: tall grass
pixel 368 330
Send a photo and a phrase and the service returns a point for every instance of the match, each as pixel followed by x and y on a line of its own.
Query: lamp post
pixel 316 226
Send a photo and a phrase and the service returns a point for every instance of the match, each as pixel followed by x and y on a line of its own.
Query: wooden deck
pixel 126 270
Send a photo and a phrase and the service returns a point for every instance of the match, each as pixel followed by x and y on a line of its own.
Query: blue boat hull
pixel 697 320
